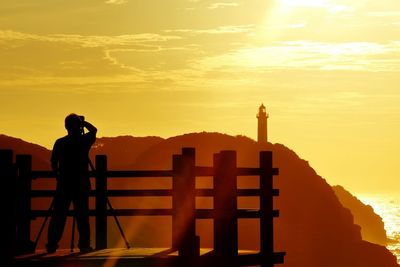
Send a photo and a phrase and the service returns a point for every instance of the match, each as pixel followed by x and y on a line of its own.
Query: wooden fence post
pixel 24 182
pixel 266 209
pixel 101 201
pixel 8 197
pixel 225 204
pixel 176 201
pixel 184 204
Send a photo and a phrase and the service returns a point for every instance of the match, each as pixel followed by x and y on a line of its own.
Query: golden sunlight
pixel 154 77
pixel 304 3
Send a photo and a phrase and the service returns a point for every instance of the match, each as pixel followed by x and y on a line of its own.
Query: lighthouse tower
pixel 262 117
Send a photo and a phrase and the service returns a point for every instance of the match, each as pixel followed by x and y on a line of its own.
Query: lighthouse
pixel 262 117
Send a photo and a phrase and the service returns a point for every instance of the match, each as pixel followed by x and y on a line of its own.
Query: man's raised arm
pixel 90 127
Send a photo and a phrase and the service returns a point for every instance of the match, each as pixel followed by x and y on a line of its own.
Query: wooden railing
pixel 18 178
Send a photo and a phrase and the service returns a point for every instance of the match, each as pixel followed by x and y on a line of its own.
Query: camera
pixel 82 118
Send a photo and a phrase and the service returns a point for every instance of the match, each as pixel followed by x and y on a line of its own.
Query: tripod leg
pixel 119 225
pixel 44 223
pixel 112 209
pixel 73 234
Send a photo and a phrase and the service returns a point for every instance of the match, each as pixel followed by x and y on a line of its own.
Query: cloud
pixel 304 3
pixel 228 29
pixel 297 25
pixel 66 60
pixel 315 4
pixel 338 9
pixel 310 55
pixel 88 40
pixel 222 5
pixel 384 14
pixel 116 2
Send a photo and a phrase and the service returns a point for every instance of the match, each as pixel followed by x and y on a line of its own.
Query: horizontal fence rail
pixel 155 193
pixel 200 171
pixel 200 213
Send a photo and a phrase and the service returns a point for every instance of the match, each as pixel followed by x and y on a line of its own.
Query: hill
pixel 123 151
pixel 314 228
pixel 40 155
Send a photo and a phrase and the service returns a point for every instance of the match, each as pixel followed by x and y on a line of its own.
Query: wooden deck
pixel 138 257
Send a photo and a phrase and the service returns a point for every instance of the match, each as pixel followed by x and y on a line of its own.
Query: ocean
pixel 388 207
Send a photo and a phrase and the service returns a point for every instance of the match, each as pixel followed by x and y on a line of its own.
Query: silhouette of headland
pixel 184 213
pixel 313 228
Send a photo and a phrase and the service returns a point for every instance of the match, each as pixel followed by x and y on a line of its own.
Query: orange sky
pixel 327 70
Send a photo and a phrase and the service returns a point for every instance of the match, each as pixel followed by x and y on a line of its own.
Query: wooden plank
pixel 254 192
pixel 240 171
pixel 140 193
pixel 24 243
pixel 139 173
pixel 176 202
pixel 200 171
pixel 200 213
pixel 225 204
pixel 204 171
pixel 155 193
pixel 247 171
pixel 143 257
pixel 267 213
pixel 241 213
pixel 113 193
pixel 140 212
pixel 8 198
pixel 184 205
pixel 101 201
pixel 112 174
pixel 119 212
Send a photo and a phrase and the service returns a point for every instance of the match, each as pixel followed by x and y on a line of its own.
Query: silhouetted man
pixel 69 159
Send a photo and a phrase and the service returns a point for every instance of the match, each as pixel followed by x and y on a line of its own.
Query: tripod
pixel 121 231
pixel 74 219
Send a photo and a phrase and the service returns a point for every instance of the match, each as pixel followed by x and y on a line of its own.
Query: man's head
pixel 73 124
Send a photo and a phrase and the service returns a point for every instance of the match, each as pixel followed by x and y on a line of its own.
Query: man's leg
pixel 62 200
pixel 81 207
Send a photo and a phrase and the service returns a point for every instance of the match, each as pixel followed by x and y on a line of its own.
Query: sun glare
pixel 304 3
pixel 280 17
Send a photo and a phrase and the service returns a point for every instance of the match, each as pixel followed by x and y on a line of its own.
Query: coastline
pixel 388 207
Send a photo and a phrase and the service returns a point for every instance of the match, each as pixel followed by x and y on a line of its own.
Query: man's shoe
pixel 51 248
pixel 86 249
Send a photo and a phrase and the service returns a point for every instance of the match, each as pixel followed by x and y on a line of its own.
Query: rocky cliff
pixel 372 227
